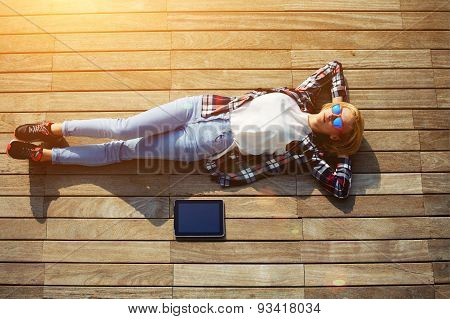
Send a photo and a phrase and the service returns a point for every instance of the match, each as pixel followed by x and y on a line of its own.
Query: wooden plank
pixel 432 119
pixel 22 206
pixel 258 207
pixel 435 183
pixel 234 252
pixel 26 43
pixel 109 229
pixel 107 207
pixel 107 185
pixel 337 40
pixel 441 78
pixel 233 293
pixel 228 59
pixel 442 291
pixel 435 161
pixel 64 292
pixel 25 62
pixel 389 120
pixel 371 59
pixel 366 228
pixel 393 98
pixel 22 82
pixel 21 274
pixel 437 204
pixel 390 141
pixel 434 140
pixel 443 98
pixel 368 274
pixel 233 79
pixel 415 5
pixel 115 81
pixel 105 41
pixel 24 102
pixel 362 206
pixel 425 20
pixel 108 274
pixel 21 292
pixel 142 60
pixel 385 162
pixel 8 165
pixel 439 249
pixel 285 21
pixel 22 228
pixel 287 5
pixel 15 251
pixel 440 227
pixel 223 39
pixel 384 78
pixel 238 275
pixel 87 23
pixel 106 251
pixel 441 272
pixel 440 58
pixel 203 185
pixel 160 229
pixel 11 7
pixel 364 251
pixel 386 183
pixel 386 292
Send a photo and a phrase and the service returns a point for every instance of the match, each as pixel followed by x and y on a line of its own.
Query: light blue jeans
pixel 173 131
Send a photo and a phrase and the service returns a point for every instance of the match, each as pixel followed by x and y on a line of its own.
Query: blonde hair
pixel 349 143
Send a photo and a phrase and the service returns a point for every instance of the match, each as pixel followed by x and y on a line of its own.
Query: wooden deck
pixel 108 232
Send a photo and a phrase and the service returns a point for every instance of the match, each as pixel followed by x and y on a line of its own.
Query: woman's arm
pixel 338 181
pixel 330 72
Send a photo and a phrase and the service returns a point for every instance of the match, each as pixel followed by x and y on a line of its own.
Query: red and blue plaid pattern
pixel 304 151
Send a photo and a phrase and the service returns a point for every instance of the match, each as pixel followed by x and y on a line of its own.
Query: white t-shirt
pixel 266 124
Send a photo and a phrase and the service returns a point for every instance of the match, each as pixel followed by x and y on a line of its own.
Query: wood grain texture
pixel 238 275
pixel 435 161
pixel 65 292
pixel 268 5
pixel 441 271
pixel 435 183
pixel 23 228
pixel 374 292
pixel 442 291
pixel 234 252
pixel 443 98
pixel 285 21
pixel 364 251
pixel 235 292
pixel 21 251
pixel 367 228
pixel 83 23
pixel 10 7
pixel 368 274
pixel 21 274
pixel 108 274
pixel 106 251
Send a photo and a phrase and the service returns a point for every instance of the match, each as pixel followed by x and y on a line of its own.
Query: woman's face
pixel 326 117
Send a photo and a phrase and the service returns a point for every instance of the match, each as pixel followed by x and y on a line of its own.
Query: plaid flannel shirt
pixel 304 151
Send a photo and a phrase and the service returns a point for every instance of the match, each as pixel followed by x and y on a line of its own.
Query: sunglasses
pixel 337 122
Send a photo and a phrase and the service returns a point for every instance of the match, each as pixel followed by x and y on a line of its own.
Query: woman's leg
pixel 188 143
pixel 157 120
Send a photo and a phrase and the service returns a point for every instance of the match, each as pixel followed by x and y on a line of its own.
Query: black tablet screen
pixel 198 218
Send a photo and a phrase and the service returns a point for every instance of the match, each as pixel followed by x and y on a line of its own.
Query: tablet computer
pixel 199 218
